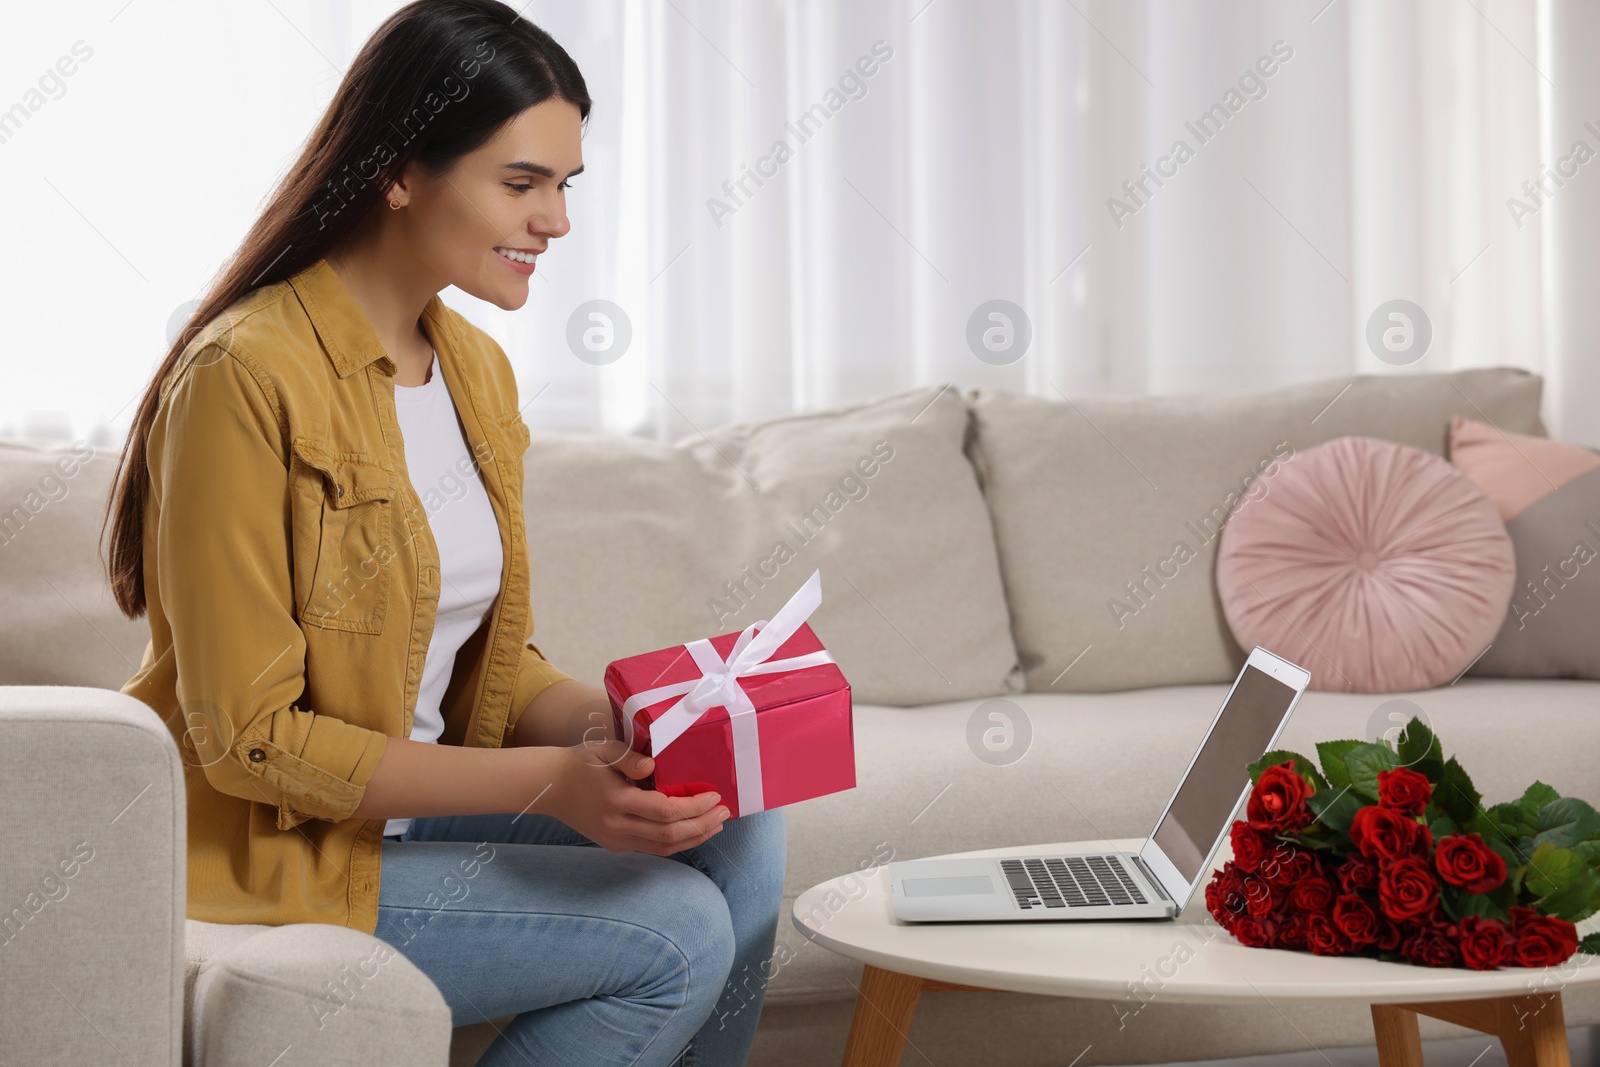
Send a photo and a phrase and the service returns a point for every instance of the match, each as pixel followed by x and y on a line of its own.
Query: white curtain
pixel 943 154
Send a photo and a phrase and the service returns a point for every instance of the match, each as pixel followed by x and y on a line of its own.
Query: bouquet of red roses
pixel 1387 851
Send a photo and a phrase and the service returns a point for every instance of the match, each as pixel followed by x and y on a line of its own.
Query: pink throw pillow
pixel 1378 567
pixel 1515 470
pixel 1548 493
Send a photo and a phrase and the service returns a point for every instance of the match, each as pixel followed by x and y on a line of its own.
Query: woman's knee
pixel 692 913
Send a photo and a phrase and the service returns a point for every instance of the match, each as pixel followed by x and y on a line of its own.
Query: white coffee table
pixel 1098 959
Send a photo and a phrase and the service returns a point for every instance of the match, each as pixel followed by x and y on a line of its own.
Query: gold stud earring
pixel 394 205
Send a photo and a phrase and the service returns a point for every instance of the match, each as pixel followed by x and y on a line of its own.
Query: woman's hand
pixel 591 792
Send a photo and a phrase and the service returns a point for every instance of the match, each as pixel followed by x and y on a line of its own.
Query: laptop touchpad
pixel 948 887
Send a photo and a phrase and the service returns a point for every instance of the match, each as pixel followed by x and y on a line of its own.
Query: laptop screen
pixel 1204 805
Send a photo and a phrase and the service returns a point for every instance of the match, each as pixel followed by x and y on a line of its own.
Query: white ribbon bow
pixel 718 686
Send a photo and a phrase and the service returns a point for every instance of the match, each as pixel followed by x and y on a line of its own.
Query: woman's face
pixel 507 195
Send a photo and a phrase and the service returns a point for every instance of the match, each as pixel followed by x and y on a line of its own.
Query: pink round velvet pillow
pixel 1378 567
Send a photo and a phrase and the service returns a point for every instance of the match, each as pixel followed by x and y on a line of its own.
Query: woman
pixel 320 508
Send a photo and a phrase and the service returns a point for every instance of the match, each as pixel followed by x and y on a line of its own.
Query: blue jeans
pixel 603 957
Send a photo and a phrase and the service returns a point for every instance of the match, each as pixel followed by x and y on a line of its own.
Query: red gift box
pixel 762 716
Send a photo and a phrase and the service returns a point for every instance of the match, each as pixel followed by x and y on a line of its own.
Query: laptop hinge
pixel 1151 878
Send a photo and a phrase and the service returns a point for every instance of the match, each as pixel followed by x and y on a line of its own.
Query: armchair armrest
pixel 92 878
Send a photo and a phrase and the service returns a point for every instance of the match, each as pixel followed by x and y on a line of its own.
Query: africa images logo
pixel 851 86
pixel 1205 127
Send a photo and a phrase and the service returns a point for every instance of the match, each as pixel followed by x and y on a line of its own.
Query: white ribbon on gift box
pixel 718 686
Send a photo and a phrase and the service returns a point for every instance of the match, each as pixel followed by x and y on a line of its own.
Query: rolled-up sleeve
pixel 224 571
pixel 535 674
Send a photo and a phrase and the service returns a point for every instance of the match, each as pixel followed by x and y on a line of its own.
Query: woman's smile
pixel 518 259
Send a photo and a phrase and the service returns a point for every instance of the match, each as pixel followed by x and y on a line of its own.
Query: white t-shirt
pixel 465 529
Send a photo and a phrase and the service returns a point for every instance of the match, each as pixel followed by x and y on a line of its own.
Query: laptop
pixel 1156 882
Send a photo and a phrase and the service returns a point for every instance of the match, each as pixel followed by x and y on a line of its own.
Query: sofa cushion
pixel 1107 510
pixel 201 942
pixel 337 996
pixel 638 545
pixel 61 626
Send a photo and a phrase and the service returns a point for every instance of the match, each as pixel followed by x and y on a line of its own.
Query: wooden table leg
pixel 1536 1032
pixel 1399 1043
pixel 1532 1028
pixel 885 1004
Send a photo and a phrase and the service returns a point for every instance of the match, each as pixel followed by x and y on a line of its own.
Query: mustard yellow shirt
pixel 292 582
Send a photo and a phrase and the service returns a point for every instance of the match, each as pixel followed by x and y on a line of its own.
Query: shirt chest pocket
pixel 341 507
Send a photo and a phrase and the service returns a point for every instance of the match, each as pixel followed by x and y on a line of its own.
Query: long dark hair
pixel 436 81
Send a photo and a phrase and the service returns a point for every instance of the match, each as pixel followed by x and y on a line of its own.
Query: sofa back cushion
pixel 60 625
pixel 1107 510
pixel 637 545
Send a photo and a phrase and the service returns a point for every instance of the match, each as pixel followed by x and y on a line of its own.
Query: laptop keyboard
pixel 1071 882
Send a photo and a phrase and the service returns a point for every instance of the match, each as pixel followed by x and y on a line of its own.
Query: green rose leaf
pixel 1495 837
pixel 1535 797
pixel 1331 755
pixel 1456 796
pixel 1364 762
pixel 1420 751
pixel 1515 853
pixel 1575 903
pixel 1303 766
pixel 1513 819
pixel 1565 821
pixel 1335 809
pixel 1561 882
pixel 1319 844
pixel 1590 944
pixel 1457 904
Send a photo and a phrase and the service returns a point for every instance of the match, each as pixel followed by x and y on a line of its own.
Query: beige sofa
pixel 973 546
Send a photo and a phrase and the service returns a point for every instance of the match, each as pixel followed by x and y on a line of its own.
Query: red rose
pixel 1358 873
pixel 1407 889
pixel 1285 865
pixel 1292 930
pixel 1383 832
pixel 1485 943
pixel 1312 893
pixel 1278 802
pixel 1248 846
pixel 1324 938
pixel 1214 902
pixel 1388 934
pixel 1261 899
pixel 1464 860
pixel 1355 919
pixel 1237 889
pixel 1541 940
pixel 1225 895
pixel 1254 933
pixel 1404 790
pixel 1432 944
